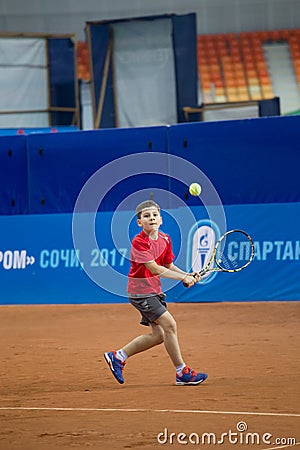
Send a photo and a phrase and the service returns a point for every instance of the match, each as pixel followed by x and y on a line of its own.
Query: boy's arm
pixel 177 269
pixel 169 272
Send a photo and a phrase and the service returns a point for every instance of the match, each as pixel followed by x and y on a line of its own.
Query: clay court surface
pixel 56 391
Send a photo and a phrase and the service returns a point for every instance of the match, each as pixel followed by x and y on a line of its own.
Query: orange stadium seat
pixel 204 73
pixel 222 51
pixel 212 59
pixel 212 55
pixel 244 41
pixel 285 34
pixel 202 60
pixel 215 67
pixel 231 36
pixel 236 59
pixel 267 91
pixel 264 36
pixel 239 69
pixel 275 35
pixel 296 62
pixel 220 94
pixel 261 65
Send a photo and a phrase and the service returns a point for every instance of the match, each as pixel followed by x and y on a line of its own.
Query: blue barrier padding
pixel 60 165
pixel 13 171
pixel 38 262
pixel 248 161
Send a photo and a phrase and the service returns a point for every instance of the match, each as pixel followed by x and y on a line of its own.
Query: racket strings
pixel 234 251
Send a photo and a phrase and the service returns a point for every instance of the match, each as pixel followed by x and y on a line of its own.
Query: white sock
pixel 121 355
pixel 179 369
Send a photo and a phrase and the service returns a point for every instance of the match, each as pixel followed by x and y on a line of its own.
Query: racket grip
pixel 185 284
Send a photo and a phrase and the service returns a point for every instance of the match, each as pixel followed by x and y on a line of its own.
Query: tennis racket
pixel 233 252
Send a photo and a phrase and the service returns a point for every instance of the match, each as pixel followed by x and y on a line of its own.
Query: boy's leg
pixel 141 343
pixel 145 341
pixel 168 324
pixel 184 374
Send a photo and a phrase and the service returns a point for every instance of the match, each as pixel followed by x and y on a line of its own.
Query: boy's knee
pixel 168 323
pixel 158 336
pixel 171 327
pixel 161 338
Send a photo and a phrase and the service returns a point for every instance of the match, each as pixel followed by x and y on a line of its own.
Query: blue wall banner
pixel 39 264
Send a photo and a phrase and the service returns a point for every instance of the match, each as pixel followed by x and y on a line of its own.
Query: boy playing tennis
pixel 151 259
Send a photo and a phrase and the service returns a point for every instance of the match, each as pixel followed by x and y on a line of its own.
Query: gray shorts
pixel 151 308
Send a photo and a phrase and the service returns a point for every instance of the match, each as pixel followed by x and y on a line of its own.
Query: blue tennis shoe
pixel 190 377
pixel 116 366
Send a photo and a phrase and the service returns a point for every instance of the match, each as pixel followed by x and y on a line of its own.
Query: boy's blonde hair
pixel 144 205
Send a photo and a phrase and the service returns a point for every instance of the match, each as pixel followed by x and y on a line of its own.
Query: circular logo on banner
pixel 200 244
pixel 91 233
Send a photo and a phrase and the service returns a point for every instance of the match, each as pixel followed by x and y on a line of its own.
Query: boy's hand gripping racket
pixel 233 252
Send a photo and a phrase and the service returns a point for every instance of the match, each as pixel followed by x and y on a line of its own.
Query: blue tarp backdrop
pixel 250 168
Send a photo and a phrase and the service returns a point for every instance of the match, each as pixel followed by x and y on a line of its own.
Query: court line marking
pixel 179 411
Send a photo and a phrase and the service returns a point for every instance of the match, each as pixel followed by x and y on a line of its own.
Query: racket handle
pixel 185 284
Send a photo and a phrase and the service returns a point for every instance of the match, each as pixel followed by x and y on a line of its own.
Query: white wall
pixel 69 16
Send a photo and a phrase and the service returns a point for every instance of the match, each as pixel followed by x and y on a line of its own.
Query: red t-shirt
pixel 144 249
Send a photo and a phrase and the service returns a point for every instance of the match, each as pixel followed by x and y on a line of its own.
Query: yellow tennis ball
pixel 195 189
